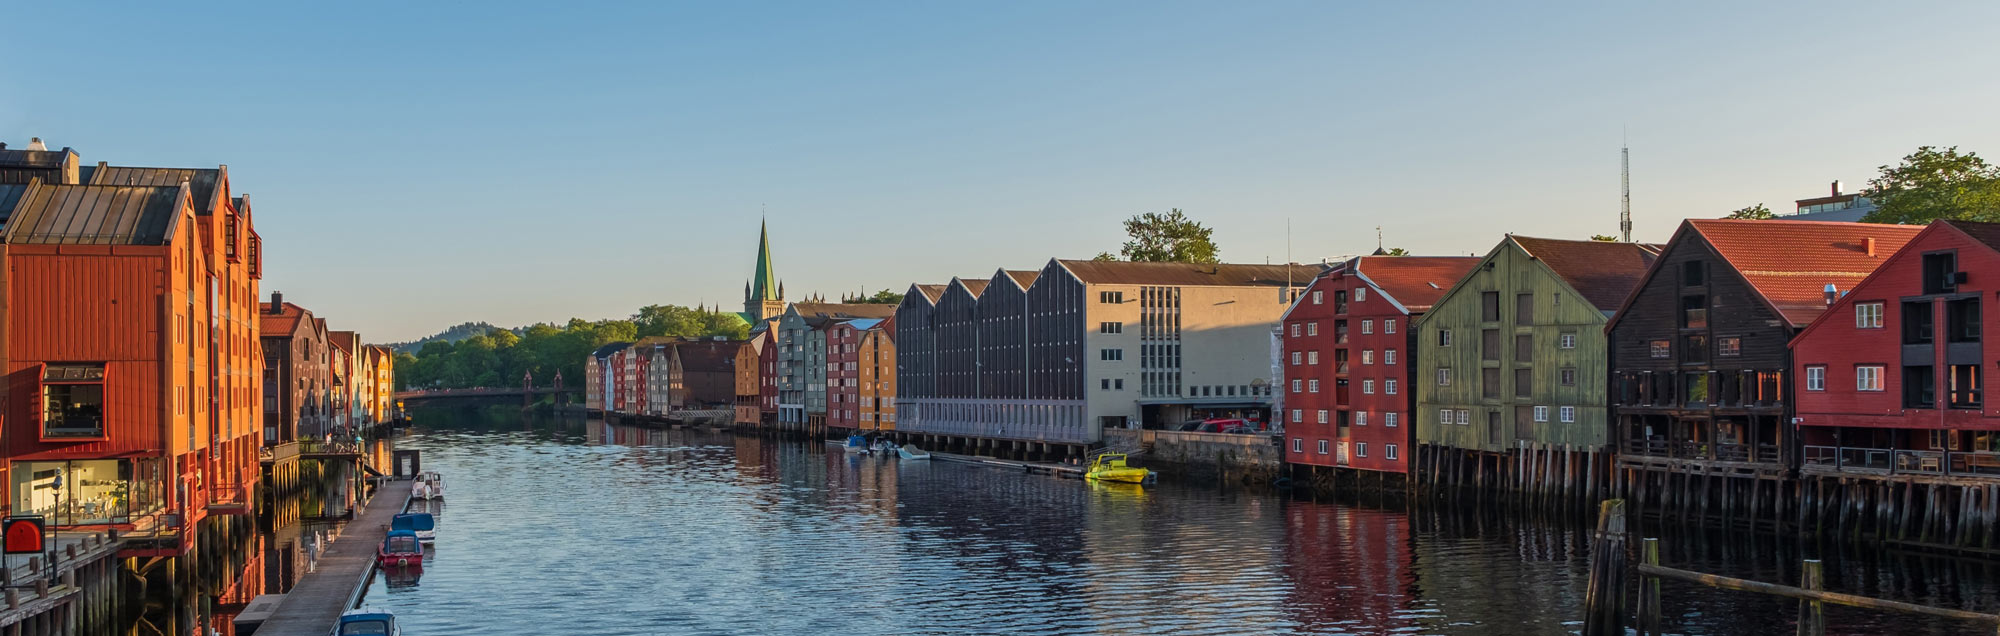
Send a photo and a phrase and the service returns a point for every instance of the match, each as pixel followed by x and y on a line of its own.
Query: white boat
pixel 430 485
pixel 909 452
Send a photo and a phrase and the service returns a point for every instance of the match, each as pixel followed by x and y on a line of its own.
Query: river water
pixel 582 528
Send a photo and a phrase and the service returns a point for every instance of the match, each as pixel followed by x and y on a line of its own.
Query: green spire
pixel 765 285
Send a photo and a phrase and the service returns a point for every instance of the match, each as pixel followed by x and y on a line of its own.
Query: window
pixel 1695 387
pixel 1318 296
pixel 1389 325
pixel 1524 309
pixel 1360 294
pixel 1389 386
pixel 1868 315
pixel 1816 378
pixel 1322 416
pixel 1116 384
pixel 1693 273
pixel 1568 377
pixel 1694 348
pixel 1312 357
pixel 1389 419
pixel 1489 306
pixel 1110 327
pixel 1367 387
pixel 1298 416
pixel 1312 329
pixel 1464 417
pixel 1322 447
pixel 1444 377
pixel 73 400
pixel 1389 452
pixel 1111 297
pixel 1524 382
pixel 1489 384
pixel 1367 326
pixel 1312 387
pixel 1361 449
pixel 1729 347
pixel 1662 349
pixel 1298 444
pixel 1295 330
pixel 1444 337
pixel 1961 320
pixel 1524 348
pixel 1868 378
pixel 1295 385
pixel 1919 327
pixel 1694 312
pixel 1111 354
pixel 1361 418
pixel 1567 413
pixel 1541 414
pixel 1940 272
pixel 1444 416
pixel 1919 387
pixel 1389 356
pixel 1368 356
pixel 1489 344
pixel 1965 387
pixel 1567 340
pixel 1295 357
pixel 1103 384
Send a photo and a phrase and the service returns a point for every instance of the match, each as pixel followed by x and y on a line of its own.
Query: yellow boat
pixel 1112 467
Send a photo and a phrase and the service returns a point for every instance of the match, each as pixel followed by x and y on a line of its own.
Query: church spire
pixel 765 285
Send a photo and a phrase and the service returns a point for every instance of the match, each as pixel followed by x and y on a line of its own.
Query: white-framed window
pixel 1388 325
pixel 1868 378
pixel 1868 315
pixel 1312 357
pixel 1298 444
pixel 1318 296
pixel 1444 416
pixel 1360 294
pixel 1444 377
pixel 1322 416
pixel 1312 329
pixel 1368 356
pixel 1312 386
pixel 1389 356
pixel 1444 337
pixel 1361 418
pixel 1322 447
pixel 1464 417
pixel 1298 416
pixel 1816 378
pixel 1367 387
pixel 1567 341
pixel 1361 449
pixel 1567 413
pixel 1367 326
pixel 1389 386
pixel 1295 357
pixel 1295 330
pixel 1661 349
pixel 1389 452
pixel 1389 419
pixel 1541 414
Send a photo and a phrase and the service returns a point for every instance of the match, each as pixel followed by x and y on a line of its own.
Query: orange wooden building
pixel 132 356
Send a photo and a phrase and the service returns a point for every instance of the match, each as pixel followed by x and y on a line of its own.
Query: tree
pixel 1934 184
pixel 1397 251
pixel 1170 237
pixel 1604 237
pixel 1758 212
pixel 1103 256
pixel 884 297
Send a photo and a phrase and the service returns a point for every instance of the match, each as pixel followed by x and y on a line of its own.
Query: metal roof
pixel 1190 274
pixel 22 166
pixel 10 196
pixel 201 181
pixel 95 215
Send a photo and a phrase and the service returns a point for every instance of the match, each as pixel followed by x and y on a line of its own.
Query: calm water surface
pixel 583 528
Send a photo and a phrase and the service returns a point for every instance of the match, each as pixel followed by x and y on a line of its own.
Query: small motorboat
pixel 400 548
pixel 1112 467
pixel 420 523
pixel 430 485
pixel 367 622
pixel 884 446
pixel 913 453
pixel 857 443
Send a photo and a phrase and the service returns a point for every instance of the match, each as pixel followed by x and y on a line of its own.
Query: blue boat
pixel 857 443
pixel 421 523
pixel 367 622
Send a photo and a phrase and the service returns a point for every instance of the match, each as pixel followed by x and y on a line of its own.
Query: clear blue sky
pixel 418 166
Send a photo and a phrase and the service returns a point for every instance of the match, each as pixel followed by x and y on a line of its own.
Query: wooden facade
pixel 877 375
pixel 298 374
pixel 1699 358
pixel 1522 339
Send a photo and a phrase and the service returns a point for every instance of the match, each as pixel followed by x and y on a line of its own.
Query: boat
pixel 400 548
pixel 430 485
pixel 421 523
pixel 857 443
pixel 367 622
pixel 1112 467
pixel 909 452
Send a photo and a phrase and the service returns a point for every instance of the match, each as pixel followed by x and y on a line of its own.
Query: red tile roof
pixel 1791 263
pixel 279 325
pixel 1604 272
pixel 1416 282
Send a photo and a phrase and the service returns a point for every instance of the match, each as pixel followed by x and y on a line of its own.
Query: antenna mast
pixel 1625 184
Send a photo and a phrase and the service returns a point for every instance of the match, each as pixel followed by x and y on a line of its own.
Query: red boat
pixel 400 548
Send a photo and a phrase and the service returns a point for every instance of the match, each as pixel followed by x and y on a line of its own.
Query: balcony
pixel 1890 461
pixel 1703 451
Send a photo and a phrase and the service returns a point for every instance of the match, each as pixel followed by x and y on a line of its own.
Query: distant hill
pixel 453 334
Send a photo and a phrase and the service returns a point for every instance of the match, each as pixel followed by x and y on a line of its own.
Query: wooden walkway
pixel 341 574
pixel 1058 470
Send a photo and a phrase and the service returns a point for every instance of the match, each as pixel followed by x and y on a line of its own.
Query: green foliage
pixel 1934 184
pixel 884 297
pixel 1396 251
pixel 1103 256
pixel 455 333
pixel 500 357
pixel 1758 212
pixel 1604 237
pixel 1170 237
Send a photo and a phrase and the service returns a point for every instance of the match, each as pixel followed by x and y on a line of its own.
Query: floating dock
pixel 1058 470
pixel 341 575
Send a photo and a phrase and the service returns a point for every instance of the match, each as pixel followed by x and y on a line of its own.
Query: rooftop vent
pixel 35 143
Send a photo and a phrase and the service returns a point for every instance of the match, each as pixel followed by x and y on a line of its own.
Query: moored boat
pixel 420 523
pixel 1113 467
pixel 367 622
pixel 909 452
pixel 430 485
pixel 400 548
pixel 857 443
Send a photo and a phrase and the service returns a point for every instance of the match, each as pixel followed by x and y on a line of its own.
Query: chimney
pixel 277 302
pixel 35 143
pixel 1831 294
pixel 1836 187
pixel 1868 245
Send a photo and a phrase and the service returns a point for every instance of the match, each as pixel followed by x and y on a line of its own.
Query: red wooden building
pixel 1349 360
pixel 1891 380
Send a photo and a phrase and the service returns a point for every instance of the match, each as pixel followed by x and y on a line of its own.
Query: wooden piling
pixel 1649 589
pixel 1812 612
pixel 1604 598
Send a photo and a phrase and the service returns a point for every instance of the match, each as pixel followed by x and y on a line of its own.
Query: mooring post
pixel 1604 598
pixel 1812 614
pixel 1649 588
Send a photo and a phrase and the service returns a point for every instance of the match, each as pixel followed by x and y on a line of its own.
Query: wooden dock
pixel 1058 470
pixel 341 574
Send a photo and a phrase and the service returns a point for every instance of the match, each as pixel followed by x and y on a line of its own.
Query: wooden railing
pixel 1882 461
pixel 1684 449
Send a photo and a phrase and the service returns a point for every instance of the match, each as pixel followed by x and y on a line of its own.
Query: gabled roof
pixel 708 355
pixel 10 196
pixel 96 215
pixel 862 324
pixel 843 310
pixel 1415 282
pixel 1790 264
pixel 931 292
pixel 1602 272
pixel 1024 277
pixel 609 349
pixel 1988 233
pixel 201 181
pixel 1190 274
pixel 280 325
pixel 50 166
pixel 342 340
pixel 976 286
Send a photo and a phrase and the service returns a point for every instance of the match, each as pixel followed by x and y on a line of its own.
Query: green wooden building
pixel 1512 377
